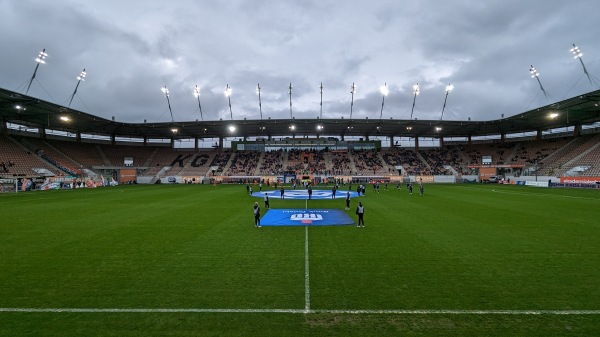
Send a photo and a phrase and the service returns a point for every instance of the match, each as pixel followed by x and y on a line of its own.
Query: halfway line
pixel 304 311
pixel 306 275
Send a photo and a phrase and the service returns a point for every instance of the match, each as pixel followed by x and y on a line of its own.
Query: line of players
pixel 360 209
pixel 360 189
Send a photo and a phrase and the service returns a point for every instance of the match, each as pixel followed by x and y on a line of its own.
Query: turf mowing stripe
pixel 543 194
pixel 303 311
pixel 306 274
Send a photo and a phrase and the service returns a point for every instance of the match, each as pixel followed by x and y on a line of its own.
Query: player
pixel 281 192
pixel 267 201
pixel 347 200
pixel 421 189
pixel 410 188
pixel 360 211
pixel 256 215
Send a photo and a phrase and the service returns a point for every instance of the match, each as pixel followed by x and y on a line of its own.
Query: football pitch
pixel 183 260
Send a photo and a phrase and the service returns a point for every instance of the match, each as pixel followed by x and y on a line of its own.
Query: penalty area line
pixel 303 311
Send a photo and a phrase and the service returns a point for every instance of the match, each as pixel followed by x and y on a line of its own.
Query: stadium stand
pixel 566 157
pixel 18 161
pixel 243 163
pixel 271 163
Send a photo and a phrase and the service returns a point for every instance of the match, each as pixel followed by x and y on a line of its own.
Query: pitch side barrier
pixel 576 185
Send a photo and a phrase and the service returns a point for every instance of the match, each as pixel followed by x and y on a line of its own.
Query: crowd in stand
pixel 438 158
pixel 407 159
pixel 341 163
pixel 272 163
pixel 6 165
pixel 306 161
pixel 244 163
pixel 522 154
pixel 367 162
pixel 220 160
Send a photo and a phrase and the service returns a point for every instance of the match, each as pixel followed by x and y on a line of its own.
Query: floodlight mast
pixel 228 95
pixel 416 92
pixel 578 54
pixel 41 59
pixel 384 91
pixel 535 74
pixel 80 78
pixel 353 87
pixel 449 88
pixel 166 92
pixel 197 94
pixel 321 113
pixel 259 101
pixel 290 88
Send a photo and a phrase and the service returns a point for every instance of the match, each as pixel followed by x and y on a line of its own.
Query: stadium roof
pixel 35 113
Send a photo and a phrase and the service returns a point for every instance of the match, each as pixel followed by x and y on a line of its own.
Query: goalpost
pixel 8 185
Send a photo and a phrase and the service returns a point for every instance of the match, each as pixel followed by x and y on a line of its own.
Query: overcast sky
pixel 131 49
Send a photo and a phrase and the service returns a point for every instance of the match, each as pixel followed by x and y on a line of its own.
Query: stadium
pixel 464 256
pixel 363 220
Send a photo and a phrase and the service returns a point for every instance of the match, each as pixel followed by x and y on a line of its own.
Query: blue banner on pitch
pixel 306 217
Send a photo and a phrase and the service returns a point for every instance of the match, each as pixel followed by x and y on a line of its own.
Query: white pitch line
pixel 303 311
pixel 306 275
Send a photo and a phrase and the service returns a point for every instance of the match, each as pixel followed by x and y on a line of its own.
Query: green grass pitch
pixel 186 260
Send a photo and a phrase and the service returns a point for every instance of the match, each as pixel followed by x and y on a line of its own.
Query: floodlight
pixel 534 72
pixel 82 76
pixel 416 90
pixel 174 130
pixel 321 110
pixel 416 93
pixel 231 128
pixel 384 90
pixel 553 115
pixel 352 91
pixel 165 91
pixel 258 88
pixel 290 92
pixel 65 119
pixel 449 88
pixel 576 52
pixel 41 58
pixel 292 127
pixel 228 95
pixel 197 94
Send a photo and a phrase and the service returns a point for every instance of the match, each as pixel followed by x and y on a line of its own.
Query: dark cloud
pixel 130 51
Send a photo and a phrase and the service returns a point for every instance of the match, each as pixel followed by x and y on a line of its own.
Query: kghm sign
pixel 306 217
